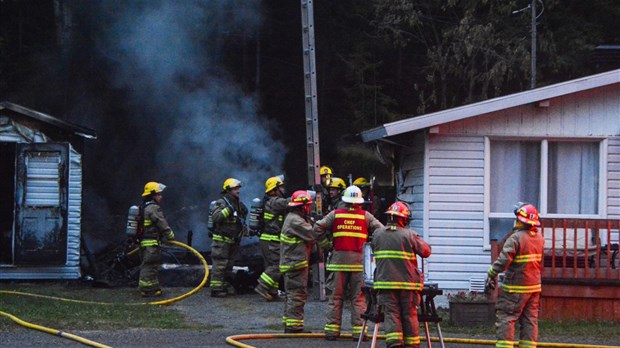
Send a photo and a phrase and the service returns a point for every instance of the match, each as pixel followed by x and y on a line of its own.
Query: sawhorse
pixel 427 313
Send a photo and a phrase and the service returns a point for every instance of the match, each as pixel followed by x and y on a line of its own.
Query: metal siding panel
pixel 443 206
pixel 456 189
pixel 458 162
pixel 587 113
pixel 613 177
pixel 454 198
pixel 455 180
pixel 451 240
pixel 456 154
pixel 461 224
pixel 453 215
pixel 74 212
pixel 458 172
pixel 456 207
pixel 459 267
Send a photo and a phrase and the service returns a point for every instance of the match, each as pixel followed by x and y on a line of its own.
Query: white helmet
pixel 352 194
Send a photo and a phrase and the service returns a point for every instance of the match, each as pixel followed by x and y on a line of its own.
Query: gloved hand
pixel 490 285
pixel 169 236
pixel 210 234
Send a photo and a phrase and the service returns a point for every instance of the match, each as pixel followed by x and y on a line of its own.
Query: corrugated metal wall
pixel 74 214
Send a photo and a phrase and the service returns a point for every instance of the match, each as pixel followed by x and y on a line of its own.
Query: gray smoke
pixel 167 56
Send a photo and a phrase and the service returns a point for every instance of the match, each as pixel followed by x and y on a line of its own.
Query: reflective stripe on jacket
pixel 521 259
pixel 296 241
pixel 350 228
pixel 395 251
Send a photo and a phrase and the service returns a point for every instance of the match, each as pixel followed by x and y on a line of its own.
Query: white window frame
pixel 544 178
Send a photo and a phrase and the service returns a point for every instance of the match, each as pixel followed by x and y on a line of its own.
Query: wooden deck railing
pixel 581 251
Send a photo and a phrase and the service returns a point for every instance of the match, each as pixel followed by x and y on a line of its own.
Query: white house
pixel 465 168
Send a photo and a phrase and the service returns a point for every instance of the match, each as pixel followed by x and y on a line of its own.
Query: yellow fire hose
pixel 89 342
pixel 234 340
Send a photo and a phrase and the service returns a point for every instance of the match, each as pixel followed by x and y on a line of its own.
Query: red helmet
pixel 300 197
pixel 528 214
pixel 398 209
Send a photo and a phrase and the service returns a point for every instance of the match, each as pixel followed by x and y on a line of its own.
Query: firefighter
pixel 326 173
pixel 522 260
pixel 335 188
pixel 296 241
pixel 349 227
pixel 156 231
pixel 274 212
pixel 229 226
pixel 397 279
pixel 371 201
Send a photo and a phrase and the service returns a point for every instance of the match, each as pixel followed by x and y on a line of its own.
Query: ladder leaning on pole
pixel 312 131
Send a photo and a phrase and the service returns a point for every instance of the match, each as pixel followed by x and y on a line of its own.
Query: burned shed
pixel 40 194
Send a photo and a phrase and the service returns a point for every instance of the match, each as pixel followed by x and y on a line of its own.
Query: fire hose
pixel 89 342
pixel 234 340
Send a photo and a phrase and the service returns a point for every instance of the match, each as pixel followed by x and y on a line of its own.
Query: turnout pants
pixel 296 287
pixel 149 269
pixel 270 279
pixel 345 286
pixel 222 256
pixel 521 308
pixel 401 326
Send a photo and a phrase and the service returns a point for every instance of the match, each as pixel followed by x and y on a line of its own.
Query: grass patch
pixel 79 316
pixel 582 331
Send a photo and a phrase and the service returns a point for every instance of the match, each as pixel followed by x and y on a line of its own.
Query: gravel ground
pixel 217 318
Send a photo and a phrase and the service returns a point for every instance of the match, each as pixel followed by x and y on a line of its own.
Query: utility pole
pixel 533 50
pixel 312 132
pixel 534 17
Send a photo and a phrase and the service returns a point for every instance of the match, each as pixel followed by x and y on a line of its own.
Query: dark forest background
pixel 192 92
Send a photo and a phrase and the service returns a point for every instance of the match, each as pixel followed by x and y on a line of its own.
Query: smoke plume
pixel 197 126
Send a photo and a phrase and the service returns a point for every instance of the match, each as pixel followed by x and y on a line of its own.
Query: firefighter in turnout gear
pixel 274 212
pixel 296 241
pixel 156 231
pixel 349 227
pixel 397 279
pixel 522 260
pixel 335 188
pixel 229 226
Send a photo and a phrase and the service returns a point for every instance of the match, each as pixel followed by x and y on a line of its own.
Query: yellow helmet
pixel 273 183
pixel 337 183
pixel 152 187
pixel 361 182
pixel 230 183
pixel 325 170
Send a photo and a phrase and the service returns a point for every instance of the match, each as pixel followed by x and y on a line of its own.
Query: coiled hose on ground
pixel 89 342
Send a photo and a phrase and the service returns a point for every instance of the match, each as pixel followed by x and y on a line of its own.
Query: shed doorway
pixel 7 201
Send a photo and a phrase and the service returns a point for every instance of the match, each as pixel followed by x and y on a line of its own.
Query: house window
pixel 560 177
pixel 573 178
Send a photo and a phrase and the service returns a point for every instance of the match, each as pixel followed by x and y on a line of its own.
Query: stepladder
pixel 427 313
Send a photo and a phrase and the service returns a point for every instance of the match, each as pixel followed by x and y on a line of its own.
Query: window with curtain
pixel 572 182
